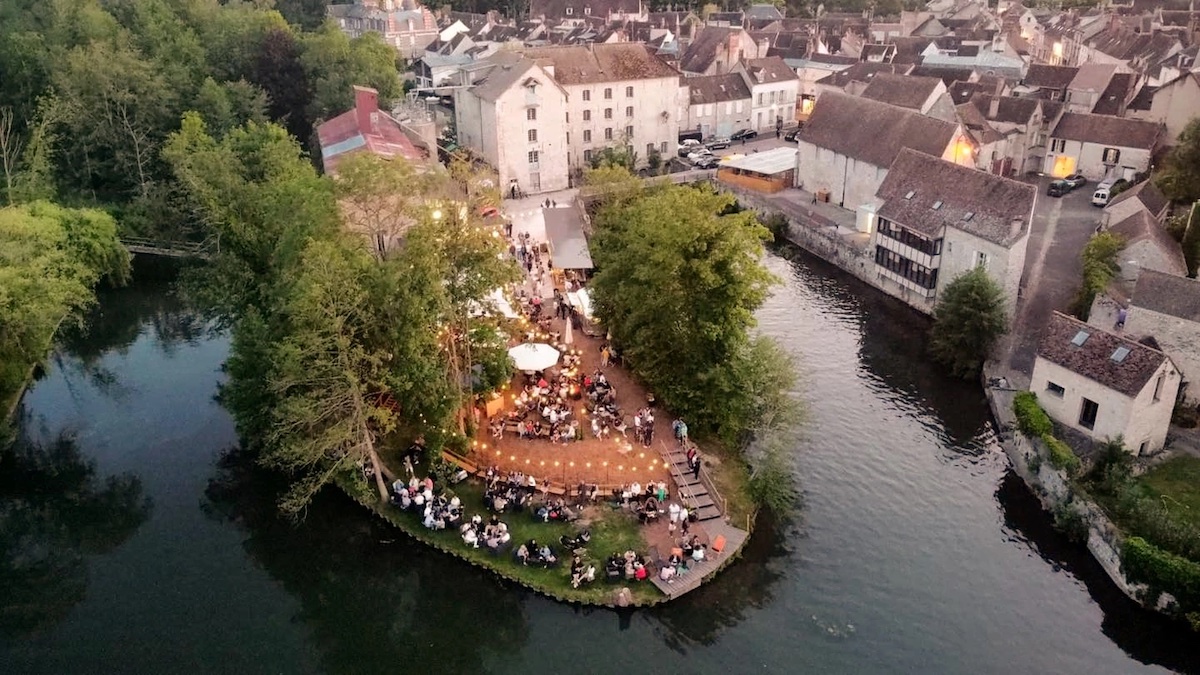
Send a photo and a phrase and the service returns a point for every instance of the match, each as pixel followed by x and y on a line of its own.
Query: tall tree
pixel 381 199
pixel 968 320
pixel 334 63
pixel 1180 178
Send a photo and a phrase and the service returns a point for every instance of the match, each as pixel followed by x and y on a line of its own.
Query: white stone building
pixel 541 114
pixel 513 117
pixel 718 105
pixel 848 144
pixel 937 220
pixel 1105 385
pixel 774 88
pixel 1175 104
pixel 1167 308
pixel 1100 146
pixel 404 24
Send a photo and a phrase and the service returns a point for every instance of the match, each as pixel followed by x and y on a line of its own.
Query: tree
pixel 1191 240
pixel 334 63
pixel 1100 265
pixel 1180 178
pixel 328 377
pixel 381 199
pixel 677 285
pixel 968 320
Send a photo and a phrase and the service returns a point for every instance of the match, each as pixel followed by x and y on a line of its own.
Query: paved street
pixel 1061 228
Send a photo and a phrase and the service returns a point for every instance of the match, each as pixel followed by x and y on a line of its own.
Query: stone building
pixel 1167 307
pixel 1105 385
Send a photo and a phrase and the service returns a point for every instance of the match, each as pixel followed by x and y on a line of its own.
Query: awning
pixel 568 244
pixel 582 301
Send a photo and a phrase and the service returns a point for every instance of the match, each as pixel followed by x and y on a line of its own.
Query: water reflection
pixel 1146 636
pixel 700 617
pixel 54 511
pixel 375 601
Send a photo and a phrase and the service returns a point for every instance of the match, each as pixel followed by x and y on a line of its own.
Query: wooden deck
pixel 697 493
pixel 698 573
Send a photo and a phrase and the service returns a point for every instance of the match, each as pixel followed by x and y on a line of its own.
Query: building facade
pixel 404 24
pixel 1104 385
pixel 1100 146
pixel 774 88
pixel 1167 307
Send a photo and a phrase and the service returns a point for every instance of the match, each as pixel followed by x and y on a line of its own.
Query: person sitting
pixel 546 555
pixel 667 574
pixel 698 553
pixel 469 536
pixel 639 571
pixel 523 554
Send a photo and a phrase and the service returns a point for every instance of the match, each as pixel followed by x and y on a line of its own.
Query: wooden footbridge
pixel 171 249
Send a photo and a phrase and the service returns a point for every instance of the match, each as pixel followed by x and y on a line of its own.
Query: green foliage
pixel 778 225
pixel 1099 267
pixel 1162 506
pixel 773 483
pixel 50 259
pixel 615 156
pixel 1162 571
pixel 1191 241
pixel 654 161
pixel 677 286
pixel 1031 419
pixel 1061 455
pixel 1180 177
pixel 1071 522
pixel 968 320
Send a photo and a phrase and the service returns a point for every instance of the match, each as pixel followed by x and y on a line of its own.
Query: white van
pixel 1100 197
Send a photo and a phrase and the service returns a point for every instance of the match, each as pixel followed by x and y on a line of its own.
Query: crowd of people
pixel 437 511
pixel 494 535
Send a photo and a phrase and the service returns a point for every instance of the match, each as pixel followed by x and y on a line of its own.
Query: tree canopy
pixel 967 321
pixel 1180 178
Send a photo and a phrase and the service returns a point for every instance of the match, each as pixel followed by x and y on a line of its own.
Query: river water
pixel 136 539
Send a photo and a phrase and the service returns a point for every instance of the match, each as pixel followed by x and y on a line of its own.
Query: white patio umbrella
pixel 533 356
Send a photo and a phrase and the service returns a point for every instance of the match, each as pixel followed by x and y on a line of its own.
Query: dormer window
pixel 587 11
pixel 570 11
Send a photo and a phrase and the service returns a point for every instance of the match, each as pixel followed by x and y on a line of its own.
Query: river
pixel 134 538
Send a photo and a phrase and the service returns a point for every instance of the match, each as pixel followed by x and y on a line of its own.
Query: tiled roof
pixel 1011 109
pixel 948 76
pixel 1147 193
pixel 1143 99
pixel 1106 130
pixel 872 132
pixel 1092 77
pixel 717 88
pixel 1168 294
pixel 860 72
pixel 905 91
pixel 1142 227
pixel 768 70
pixel 1112 101
pixel 701 53
pixel 1094 358
pixel 1050 77
pixel 368 129
pixel 927 193
pixel 557 9
pixel 603 63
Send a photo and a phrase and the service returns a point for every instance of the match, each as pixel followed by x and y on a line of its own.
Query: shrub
pixel 1061 455
pixel 1031 419
pixel 1071 523
pixel 968 319
pixel 1099 267
pixel 1161 571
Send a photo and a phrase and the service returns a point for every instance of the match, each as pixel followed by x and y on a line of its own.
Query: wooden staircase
pixel 697 494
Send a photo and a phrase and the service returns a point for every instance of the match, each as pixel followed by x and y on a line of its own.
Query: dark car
pixel 743 135
pixel 1076 180
pixel 707 162
pixel 717 144
pixel 791 135
pixel 1058 188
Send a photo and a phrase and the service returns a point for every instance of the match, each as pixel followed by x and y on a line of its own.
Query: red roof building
pixel 365 128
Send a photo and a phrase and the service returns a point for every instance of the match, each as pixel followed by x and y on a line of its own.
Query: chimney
pixel 994 107
pixel 366 106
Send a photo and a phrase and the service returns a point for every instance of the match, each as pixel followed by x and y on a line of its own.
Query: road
pixel 1061 228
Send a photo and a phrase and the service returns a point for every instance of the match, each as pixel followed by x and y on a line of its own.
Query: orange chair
pixel 718 544
pixel 677 552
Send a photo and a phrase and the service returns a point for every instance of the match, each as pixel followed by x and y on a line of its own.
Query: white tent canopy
pixel 533 356
pixel 582 301
pixel 494 303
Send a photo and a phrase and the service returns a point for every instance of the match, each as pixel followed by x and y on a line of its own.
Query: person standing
pixel 682 433
pixel 695 467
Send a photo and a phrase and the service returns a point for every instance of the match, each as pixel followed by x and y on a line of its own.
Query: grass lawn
pixel 1177 483
pixel 611 530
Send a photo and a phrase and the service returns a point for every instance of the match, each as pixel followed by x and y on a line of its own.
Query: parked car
pixel 688 146
pixel 1058 188
pixel 697 154
pixel 705 162
pixel 1101 196
pixel 1076 180
pixel 743 135
pixel 717 144
pixel 790 136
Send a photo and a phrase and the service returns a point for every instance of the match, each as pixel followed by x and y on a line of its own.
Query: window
pixel 533 156
pixel 608 133
pixel 738 106
pixel 587 115
pixel 607 93
pixel 728 108
pixel 1158 386
pixel 587 135
pixel 1111 156
pixel 533 135
pixel 1058 145
pixel 587 11
pixel 628 132
pixel 587 93
pixel 1142 447
pixel 1087 414
pixel 914 272
pixel 531 114
pixel 909 238
pixel 760 98
pixel 570 11
pixel 568 118
pixel 628 92
pixel 662 147
pixel 981 259
pixel 1055 389
pixel 587 155
pixel 629 111
pixel 650 150
pixel 608 113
